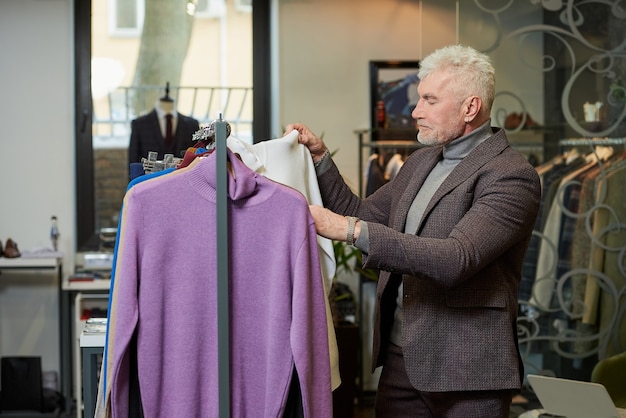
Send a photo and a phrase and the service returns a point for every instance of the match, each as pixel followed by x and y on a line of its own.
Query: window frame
pixel 86 236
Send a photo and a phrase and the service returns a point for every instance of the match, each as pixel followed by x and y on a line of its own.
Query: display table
pixel 30 263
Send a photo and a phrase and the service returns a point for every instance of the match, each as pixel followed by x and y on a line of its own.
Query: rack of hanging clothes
pixel 532 152
pixel 219 302
pixel 573 289
pixel 380 160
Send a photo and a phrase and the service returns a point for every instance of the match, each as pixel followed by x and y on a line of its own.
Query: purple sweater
pixel 165 290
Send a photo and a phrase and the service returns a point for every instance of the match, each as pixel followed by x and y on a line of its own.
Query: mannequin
pixel 149 132
pixel 166 104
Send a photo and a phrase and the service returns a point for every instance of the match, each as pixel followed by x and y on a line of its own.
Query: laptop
pixel 573 398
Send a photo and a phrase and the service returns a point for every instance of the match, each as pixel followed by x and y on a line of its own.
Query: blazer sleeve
pixel 490 210
pixel 309 335
pixel 465 231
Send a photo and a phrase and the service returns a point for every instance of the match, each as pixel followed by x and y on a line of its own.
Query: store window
pixel 127 60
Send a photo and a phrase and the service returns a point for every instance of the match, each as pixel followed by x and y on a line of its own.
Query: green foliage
pixel 350 259
pixel 617 91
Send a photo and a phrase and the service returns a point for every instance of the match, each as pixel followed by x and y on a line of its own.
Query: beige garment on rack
pixel 602 250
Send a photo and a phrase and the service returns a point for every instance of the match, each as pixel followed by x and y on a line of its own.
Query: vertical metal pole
pixel 223 319
pixel 361 191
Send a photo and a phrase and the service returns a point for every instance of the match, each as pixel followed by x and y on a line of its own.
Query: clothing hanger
pixel 204 143
pixel 571 155
pixel 205 136
pixel 603 152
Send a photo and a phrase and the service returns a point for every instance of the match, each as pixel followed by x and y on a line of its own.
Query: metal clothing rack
pixel 223 322
pixel 366 143
pixel 408 144
pixel 592 141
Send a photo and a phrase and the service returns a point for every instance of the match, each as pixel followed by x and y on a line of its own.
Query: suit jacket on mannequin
pixel 146 136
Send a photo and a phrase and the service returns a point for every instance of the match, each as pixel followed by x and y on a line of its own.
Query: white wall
pixel 37 115
pixel 37 168
pixel 324 53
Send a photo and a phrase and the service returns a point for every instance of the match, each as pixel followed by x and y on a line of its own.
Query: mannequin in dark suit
pixel 448 235
pixel 148 133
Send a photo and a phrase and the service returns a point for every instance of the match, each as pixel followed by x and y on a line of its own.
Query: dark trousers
pixel 397 398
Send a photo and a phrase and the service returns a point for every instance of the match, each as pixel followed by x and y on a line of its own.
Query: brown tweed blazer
pixel 462 269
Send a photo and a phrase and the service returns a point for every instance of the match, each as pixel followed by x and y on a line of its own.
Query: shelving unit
pixel 83 301
pixel 81 295
pixel 91 348
pixel 52 265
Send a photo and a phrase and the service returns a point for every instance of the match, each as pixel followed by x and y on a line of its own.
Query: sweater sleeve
pixel 309 336
pixel 123 310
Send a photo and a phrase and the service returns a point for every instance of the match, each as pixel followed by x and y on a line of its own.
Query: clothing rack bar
pixel 382 144
pixel 392 144
pixel 223 319
pixel 592 141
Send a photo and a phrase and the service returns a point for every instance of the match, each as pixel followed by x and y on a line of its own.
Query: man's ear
pixel 472 107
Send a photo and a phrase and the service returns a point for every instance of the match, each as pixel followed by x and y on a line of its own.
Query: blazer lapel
pixel 178 132
pixel 477 158
pixel 156 127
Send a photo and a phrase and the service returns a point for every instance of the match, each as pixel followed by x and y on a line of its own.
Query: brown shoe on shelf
pixel 513 121
pixel 530 123
pixel 10 249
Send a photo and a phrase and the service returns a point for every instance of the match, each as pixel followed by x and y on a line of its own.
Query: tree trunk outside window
pixel 164 43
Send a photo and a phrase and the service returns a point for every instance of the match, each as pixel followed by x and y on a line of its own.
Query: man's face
pixel 439 110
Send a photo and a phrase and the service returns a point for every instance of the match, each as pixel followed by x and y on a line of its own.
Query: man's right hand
pixel 316 146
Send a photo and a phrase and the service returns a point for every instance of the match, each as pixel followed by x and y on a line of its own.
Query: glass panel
pixel 553 58
pixel 205 69
pixel 560 95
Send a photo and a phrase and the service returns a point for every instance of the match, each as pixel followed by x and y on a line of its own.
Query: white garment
pixel 286 161
pixel 392 167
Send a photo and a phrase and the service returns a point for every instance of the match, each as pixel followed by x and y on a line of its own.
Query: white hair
pixel 474 70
